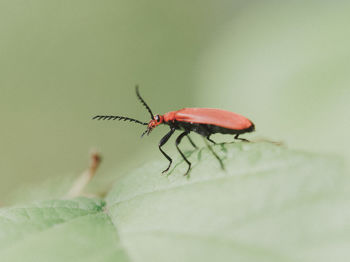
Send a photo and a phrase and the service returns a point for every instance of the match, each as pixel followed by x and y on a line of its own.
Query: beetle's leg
pixel 192 143
pixel 242 139
pixel 161 143
pixel 214 154
pixel 177 142
pixel 208 138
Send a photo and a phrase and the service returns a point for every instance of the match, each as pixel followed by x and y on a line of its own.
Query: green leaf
pixel 269 204
pixel 59 230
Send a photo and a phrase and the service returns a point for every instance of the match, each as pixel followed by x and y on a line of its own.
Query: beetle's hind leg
pixel 177 142
pixel 242 139
pixel 214 154
pixel 209 139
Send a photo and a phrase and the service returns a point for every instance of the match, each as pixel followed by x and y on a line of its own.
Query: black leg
pixel 161 143
pixel 215 155
pixel 192 143
pixel 208 138
pixel 178 140
pixel 242 139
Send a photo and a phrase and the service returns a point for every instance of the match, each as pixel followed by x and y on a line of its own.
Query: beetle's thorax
pixel 169 117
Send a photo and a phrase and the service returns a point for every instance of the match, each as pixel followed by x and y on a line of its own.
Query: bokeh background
pixel 283 64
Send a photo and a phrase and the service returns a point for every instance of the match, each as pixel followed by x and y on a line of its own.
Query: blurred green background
pixel 283 64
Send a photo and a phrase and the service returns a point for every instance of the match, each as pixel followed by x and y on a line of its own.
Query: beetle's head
pixel 157 120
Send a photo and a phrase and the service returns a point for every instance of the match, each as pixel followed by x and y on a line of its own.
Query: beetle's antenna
pixel 143 101
pixel 104 117
pixel 144 133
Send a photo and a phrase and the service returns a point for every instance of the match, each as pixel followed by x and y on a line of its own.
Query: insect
pixel 204 121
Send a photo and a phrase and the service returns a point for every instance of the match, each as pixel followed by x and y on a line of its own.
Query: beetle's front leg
pixel 162 143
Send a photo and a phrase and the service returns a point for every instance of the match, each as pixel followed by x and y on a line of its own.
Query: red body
pixel 210 116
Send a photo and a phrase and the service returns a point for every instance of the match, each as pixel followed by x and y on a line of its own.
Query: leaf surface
pixel 269 204
pixel 59 230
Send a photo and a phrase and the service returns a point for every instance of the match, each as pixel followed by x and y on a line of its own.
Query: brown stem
pixel 83 180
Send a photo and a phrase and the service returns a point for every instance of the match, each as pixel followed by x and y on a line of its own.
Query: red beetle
pixel 204 121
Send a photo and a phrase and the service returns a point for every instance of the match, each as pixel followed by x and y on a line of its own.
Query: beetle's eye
pixel 157 118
